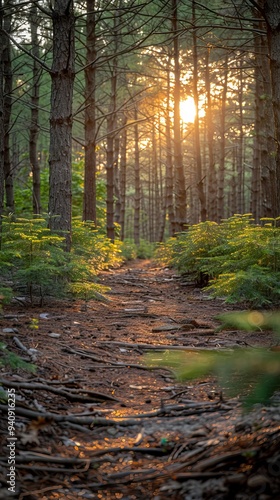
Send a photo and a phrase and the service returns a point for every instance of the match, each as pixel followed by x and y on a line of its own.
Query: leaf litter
pixel 95 421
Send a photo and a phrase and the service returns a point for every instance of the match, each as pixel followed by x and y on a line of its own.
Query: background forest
pixel 129 121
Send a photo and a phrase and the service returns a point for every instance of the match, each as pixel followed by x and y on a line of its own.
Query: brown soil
pixel 94 422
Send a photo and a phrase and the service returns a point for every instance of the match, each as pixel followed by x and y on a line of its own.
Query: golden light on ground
pixel 187 110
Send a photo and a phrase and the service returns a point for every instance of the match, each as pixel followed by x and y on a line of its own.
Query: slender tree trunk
pixel 179 175
pixel 199 176
pixel 61 118
pixel 137 195
pixel 8 88
pixel 221 169
pixel 110 160
pixel 111 125
pixel 34 127
pixel 89 202
pixel 117 180
pixel 212 181
pixel 157 199
pixel 272 14
pixel 169 164
pixel 240 146
pixel 123 177
pixel 2 176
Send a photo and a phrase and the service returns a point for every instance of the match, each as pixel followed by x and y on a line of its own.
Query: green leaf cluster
pixel 253 374
pixel 241 258
pixel 8 358
pixel 33 259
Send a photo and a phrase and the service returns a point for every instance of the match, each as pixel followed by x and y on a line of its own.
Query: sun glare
pixel 187 110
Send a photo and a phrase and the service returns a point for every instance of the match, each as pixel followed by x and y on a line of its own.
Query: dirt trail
pixel 95 423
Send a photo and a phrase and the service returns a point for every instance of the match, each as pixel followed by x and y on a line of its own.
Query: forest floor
pixel 94 422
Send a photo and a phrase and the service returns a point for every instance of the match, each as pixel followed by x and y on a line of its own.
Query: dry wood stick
pixel 70 395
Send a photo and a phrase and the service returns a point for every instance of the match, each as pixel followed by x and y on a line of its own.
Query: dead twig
pixel 71 395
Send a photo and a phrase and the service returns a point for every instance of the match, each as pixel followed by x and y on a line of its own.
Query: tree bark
pixel 123 176
pixel 89 202
pixel 272 17
pixel 2 177
pixel 222 152
pixel 199 176
pixel 169 164
pixel 8 89
pixel 179 175
pixel 34 126
pixel 137 195
pixel 62 74
pixel 212 180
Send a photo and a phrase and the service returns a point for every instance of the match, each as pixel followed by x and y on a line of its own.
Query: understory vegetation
pixel 237 259
pixel 33 260
pixel 251 374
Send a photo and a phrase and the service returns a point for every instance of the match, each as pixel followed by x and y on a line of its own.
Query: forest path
pixel 94 422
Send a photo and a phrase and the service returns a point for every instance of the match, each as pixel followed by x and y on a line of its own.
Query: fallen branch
pixel 30 352
pixel 159 347
pixel 71 395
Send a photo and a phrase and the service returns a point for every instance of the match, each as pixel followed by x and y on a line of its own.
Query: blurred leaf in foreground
pixel 254 374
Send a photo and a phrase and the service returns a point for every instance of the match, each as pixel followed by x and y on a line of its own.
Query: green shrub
pixel 241 259
pixel 253 374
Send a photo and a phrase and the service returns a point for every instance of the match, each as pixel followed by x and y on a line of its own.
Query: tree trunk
pixel 199 177
pixel 89 202
pixel 123 176
pixel 272 15
pixel 117 180
pixel 179 175
pixel 137 195
pixel 111 125
pixel 221 169
pixel 34 126
pixel 212 181
pixel 2 176
pixel 240 146
pixel 8 88
pixel 169 165
pixel 61 118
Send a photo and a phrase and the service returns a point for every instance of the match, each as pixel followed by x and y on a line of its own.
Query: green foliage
pixel 33 259
pixel 257 286
pixel 252 373
pixel 251 320
pixel 145 249
pixel 91 246
pixel 242 259
pixel 129 250
pixel 8 358
pixel 6 294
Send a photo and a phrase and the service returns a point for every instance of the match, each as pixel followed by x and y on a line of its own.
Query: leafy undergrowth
pixel 237 259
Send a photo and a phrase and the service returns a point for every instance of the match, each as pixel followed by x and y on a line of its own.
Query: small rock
pixel 112 431
pixel 236 479
pixel 54 335
pixel 257 481
pixel 10 330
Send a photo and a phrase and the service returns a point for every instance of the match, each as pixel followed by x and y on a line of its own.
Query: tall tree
pixel 34 125
pixel 199 176
pixel 137 186
pixel 8 89
pixel 2 177
pixel 271 13
pixel 179 175
pixel 61 119
pixel 89 208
